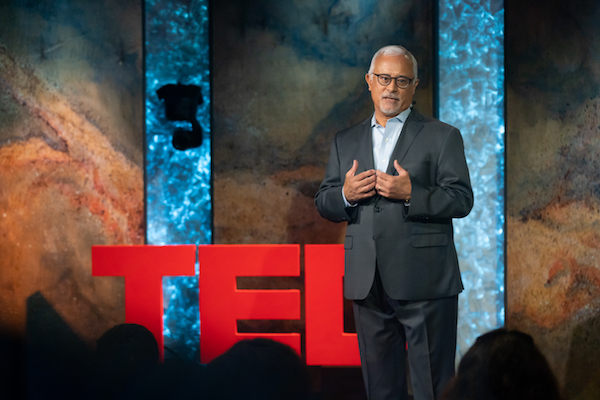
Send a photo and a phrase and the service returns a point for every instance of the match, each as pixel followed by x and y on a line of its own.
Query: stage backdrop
pixel 286 76
pixel 71 156
pixel 553 183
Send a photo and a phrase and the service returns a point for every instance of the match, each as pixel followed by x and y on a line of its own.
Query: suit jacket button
pixel 377 209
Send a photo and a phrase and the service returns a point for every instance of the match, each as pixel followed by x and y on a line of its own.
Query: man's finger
pixel 369 175
pixel 398 167
pixel 382 176
pixel 353 168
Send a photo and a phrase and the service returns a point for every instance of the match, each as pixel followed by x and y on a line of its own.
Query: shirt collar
pixel 400 117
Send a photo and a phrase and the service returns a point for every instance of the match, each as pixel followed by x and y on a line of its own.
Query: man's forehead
pixel 393 58
pixel 394 61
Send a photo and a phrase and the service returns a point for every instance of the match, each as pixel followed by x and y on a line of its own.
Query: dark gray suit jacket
pixel 412 244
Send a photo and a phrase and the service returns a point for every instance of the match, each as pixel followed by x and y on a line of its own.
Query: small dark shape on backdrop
pixel 181 103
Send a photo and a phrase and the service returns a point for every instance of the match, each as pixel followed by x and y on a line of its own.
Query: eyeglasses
pixel 401 81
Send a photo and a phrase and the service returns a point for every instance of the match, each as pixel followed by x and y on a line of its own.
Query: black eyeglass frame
pixel 379 77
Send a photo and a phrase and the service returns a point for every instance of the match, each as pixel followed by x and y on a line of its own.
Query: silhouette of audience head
pixel 128 368
pixel 123 353
pixel 258 369
pixel 502 365
pixel 173 379
pixel 130 345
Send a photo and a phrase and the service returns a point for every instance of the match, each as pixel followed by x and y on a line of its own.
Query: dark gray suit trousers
pixel 385 326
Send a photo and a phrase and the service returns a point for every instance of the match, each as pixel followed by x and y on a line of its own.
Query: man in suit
pixel 398 179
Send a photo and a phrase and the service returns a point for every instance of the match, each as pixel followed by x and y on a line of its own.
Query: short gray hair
pixel 395 50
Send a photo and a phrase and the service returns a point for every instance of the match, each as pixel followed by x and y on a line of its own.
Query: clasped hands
pixel 368 183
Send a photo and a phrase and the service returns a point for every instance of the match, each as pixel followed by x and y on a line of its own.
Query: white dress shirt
pixel 384 142
pixel 385 139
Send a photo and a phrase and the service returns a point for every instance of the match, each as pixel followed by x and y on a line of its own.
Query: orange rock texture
pixel 63 188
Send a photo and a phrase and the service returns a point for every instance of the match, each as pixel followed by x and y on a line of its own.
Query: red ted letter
pixel 326 341
pixel 143 268
pixel 222 303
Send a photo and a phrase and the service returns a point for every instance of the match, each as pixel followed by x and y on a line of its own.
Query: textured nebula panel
pixel 71 156
pixel 553 182
pixel 471 76
pixel 286 77
pixel 178 182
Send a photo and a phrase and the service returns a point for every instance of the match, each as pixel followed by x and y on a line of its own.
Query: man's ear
pixel 415 87
pixel 368 78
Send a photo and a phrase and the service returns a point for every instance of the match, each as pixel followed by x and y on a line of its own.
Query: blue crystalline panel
pixel 178 197
pixel 471 94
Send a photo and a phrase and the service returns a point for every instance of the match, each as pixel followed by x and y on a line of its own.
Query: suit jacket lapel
pixel 410 130
pixel 365 157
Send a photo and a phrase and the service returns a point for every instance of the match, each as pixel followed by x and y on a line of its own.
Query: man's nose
pixel 393 87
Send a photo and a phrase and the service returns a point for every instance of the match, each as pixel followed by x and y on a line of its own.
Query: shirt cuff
pixel 346 203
